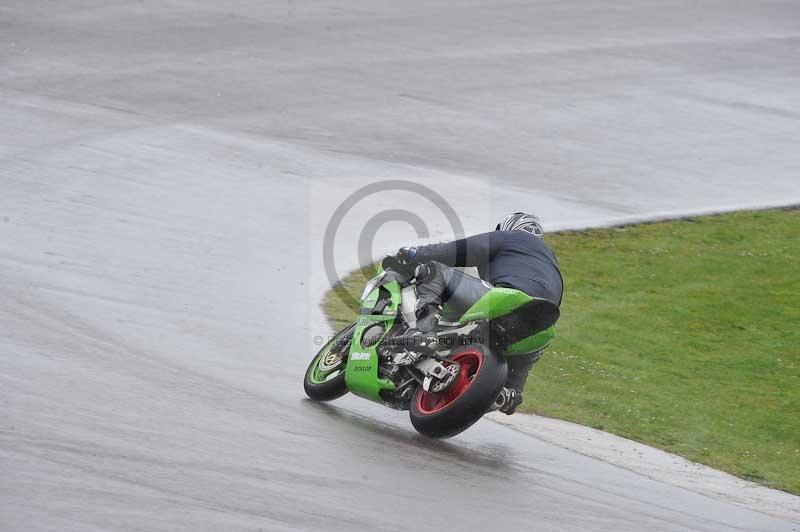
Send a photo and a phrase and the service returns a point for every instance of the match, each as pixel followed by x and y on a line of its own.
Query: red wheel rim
pixel 471 362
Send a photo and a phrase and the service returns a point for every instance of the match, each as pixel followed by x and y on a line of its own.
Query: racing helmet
pixel 521 221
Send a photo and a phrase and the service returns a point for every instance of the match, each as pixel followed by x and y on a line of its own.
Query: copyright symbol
pixel 318 340
pixel 371 227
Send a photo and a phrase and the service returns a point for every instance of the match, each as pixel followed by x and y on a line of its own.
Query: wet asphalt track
pixel 166 173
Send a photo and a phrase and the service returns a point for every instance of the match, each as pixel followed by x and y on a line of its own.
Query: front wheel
pixel 324 379
pixel 480 379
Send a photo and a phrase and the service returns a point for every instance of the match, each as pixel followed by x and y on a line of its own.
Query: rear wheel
pixel 480 378
pixel 324 379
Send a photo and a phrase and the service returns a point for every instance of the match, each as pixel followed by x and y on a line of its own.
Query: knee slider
pixel 422 271
pixel 426 270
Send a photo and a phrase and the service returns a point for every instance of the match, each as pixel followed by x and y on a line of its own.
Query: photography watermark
pixel 447 341
pixel 419 204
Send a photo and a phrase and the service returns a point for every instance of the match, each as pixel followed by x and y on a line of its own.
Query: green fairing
pixel 500 301
pixel 361 376
pixel 496 302
pixel 532 343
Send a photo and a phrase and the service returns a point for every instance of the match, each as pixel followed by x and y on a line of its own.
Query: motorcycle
pixel 447 385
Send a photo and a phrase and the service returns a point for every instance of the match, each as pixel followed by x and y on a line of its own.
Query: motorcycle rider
pixel 514 255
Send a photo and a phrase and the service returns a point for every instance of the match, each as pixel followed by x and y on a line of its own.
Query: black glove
pixel 402 262
pixel 407 256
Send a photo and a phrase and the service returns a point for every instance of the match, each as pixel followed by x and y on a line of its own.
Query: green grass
pixel 683 335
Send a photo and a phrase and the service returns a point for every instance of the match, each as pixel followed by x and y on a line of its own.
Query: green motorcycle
pixel 447 386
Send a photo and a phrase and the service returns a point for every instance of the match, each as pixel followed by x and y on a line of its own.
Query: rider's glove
pixel 402 262
pixel 407 256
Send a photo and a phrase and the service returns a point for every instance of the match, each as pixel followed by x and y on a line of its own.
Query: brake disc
pixel 330 361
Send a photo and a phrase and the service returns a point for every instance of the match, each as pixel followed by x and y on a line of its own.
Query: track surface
pixel 159 266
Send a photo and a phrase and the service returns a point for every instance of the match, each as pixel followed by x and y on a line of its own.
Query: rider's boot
pixel 519 367
pixel 429 288
pixel 424 334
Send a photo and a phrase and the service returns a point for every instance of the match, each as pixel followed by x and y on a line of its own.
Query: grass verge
pixel 683 335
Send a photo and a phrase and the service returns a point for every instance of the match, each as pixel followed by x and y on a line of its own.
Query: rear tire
pixel 448 413
pixel 324 379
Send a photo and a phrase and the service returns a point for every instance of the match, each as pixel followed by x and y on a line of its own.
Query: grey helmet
pixel 522 221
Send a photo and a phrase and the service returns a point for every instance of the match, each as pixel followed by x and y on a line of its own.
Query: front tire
pixel 446 414
pixel 324 379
